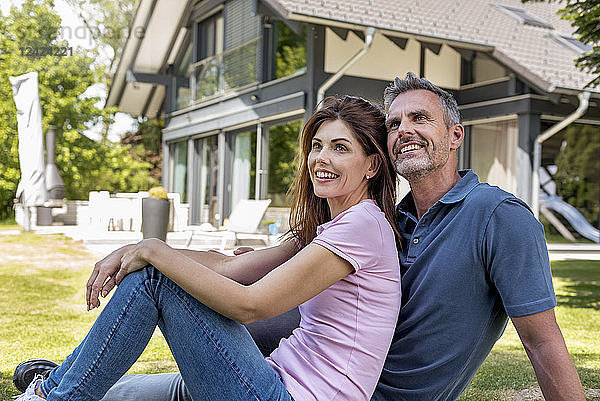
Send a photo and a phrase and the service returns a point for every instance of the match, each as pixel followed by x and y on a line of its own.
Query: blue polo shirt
pixel 476 256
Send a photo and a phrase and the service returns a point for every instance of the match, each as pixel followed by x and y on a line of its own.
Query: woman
pixel 339 263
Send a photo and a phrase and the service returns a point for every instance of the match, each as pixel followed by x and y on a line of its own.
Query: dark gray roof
pixel 529 48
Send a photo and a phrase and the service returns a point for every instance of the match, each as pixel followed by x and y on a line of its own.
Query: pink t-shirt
pixel 345 332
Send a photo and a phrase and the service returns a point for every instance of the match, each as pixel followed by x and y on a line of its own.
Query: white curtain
pixel 240 180
pixel 493 151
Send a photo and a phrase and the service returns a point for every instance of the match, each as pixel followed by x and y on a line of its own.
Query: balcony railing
pixel 223 72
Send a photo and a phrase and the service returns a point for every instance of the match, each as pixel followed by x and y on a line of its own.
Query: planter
pixel 155 218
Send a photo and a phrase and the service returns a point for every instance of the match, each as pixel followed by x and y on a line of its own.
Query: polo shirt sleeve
pixel 516 256
pixel 356 237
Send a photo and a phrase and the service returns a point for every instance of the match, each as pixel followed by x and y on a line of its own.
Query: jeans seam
pixel 221 350
pixel 87 374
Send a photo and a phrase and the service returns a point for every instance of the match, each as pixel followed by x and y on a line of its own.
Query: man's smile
pixel 410 147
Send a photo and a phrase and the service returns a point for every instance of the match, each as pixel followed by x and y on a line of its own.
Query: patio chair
pixel 243 222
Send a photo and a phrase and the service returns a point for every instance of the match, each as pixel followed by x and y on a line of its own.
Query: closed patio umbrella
pixel 31 190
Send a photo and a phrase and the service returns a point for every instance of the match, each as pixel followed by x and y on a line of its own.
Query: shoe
pixel 26 371
pixel 29 394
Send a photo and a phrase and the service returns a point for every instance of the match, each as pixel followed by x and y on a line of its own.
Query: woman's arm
pixel 245 268
pixel 298 279
pixel 102 278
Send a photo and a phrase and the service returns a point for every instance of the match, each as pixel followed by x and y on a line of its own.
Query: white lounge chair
pixel 243 222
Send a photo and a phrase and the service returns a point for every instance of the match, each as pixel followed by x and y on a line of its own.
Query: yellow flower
pixel 158 192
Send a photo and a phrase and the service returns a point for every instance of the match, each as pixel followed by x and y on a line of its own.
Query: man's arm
pixel 546 349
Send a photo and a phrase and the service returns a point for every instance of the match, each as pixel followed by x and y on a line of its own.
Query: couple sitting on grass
pixel 396 304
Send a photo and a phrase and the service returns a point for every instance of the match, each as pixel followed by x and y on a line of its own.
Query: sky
pixel 76 33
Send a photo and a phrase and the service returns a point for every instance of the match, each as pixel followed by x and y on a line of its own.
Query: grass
pixel 42 310
pixel 42 314
pixel 507 371
pixel 9 224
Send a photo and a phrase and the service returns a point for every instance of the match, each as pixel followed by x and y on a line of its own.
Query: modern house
pixel 235 80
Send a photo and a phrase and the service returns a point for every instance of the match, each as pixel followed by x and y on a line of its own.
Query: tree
pixel 108 23
pixel 578 171
pixel 584 16
pixel 84 164
pixel 145 145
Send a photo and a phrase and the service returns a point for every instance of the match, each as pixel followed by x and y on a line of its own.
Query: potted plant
pixel 155 214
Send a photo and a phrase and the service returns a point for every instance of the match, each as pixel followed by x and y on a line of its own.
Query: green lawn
pixel 42 310
pixel 9 224
pixel 42 314
pixel 507 371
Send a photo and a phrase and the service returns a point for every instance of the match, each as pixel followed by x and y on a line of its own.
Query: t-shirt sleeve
pixel 355 237
pixel 515 252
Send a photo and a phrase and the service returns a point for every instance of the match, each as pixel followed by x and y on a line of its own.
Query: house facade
pixel 236 79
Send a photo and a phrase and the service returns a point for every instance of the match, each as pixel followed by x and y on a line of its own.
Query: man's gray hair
pixel 412 82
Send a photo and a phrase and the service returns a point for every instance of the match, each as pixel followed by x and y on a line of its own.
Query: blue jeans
pixel 216 356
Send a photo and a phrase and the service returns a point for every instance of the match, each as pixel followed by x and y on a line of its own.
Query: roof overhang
pixel 156 34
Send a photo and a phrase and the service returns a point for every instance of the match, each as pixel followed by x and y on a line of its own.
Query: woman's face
pixel 338 166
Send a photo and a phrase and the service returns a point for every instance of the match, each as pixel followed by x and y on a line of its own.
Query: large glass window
pixel 207 66
pixel 290 56
pixel 183 95
pixel 283 150
pixel 243 178
pixel 492 153
pixel 206 187
pixel 178 168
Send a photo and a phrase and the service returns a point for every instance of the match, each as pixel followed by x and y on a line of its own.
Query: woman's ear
pixel 374 163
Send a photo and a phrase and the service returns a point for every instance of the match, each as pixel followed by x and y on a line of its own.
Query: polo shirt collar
pixel 468 181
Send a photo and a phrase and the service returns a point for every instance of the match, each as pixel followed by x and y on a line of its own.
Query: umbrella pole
pixel 26 219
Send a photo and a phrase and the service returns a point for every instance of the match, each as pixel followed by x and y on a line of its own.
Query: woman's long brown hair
pixel 367 123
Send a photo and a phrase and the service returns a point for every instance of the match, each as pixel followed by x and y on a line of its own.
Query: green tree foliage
pixel 578 176
pixel 584 15
pixel 145 145
pixel 108 23
pixel 84 164
pixel 283 161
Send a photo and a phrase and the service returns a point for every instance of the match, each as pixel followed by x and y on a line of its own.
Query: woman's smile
pixel 338 166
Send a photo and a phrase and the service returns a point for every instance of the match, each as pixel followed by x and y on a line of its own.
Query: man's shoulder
pixel 491 196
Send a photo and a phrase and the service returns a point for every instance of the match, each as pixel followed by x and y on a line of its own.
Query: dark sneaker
pixel 26 371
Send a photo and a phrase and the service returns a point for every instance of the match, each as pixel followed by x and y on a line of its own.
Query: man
pixel 471 255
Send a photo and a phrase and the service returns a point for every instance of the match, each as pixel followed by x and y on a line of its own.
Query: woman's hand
pixel 137 257
pixel 102 277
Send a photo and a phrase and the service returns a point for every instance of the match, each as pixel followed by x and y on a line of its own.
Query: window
pixel 525 17
pixel 178 168
pixel 183 95
pixel 573 43
pixel 492 153
pixel 205 208
pixel 207 66
pixel 290 56
pixel 226 54
pixel 243 178
pixel 283 151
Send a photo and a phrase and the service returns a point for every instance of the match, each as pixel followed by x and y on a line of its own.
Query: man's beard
pixel 418 167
